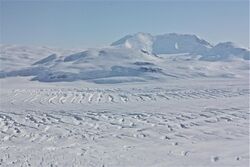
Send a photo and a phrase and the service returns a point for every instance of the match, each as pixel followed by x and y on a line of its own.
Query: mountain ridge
pixel 133 58
pixel 173 43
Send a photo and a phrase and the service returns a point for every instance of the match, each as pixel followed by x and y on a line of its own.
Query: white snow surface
pixel 135 103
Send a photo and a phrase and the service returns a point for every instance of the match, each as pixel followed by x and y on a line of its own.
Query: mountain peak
pixel 137 41
pixel 164 44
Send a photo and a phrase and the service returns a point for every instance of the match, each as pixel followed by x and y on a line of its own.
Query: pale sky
pixel 80 23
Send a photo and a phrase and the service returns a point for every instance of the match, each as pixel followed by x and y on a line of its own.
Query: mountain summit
pixel 171 43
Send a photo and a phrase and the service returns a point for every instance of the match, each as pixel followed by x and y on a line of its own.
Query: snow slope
pixel 226 51
pixel 15 57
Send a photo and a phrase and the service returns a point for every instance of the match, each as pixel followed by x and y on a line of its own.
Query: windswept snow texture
pixel 192 123
pixel 153 101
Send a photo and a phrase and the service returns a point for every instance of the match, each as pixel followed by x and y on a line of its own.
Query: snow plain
pixel 192 112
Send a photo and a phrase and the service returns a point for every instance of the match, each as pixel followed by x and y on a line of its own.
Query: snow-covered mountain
pixel 174 43
pixel 165 44
pixel 139 57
